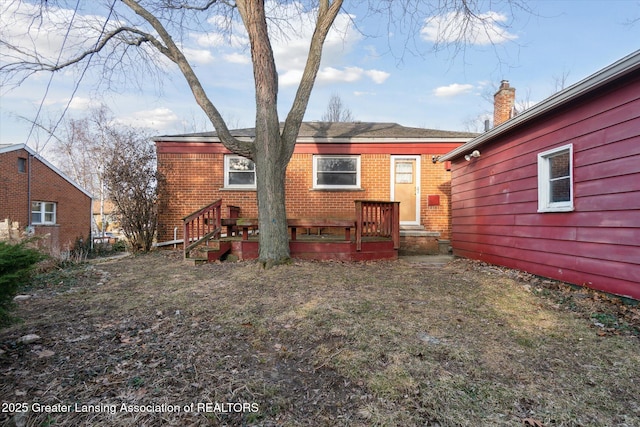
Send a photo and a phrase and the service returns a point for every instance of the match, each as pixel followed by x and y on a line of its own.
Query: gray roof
pixel 339 131
pixel 619 69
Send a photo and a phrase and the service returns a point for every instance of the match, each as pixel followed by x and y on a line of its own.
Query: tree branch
pixel 327 14
pixel 38 65
pixel 175 54
pixel 206 6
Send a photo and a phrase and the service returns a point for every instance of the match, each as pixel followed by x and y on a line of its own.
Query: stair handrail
pixel 202 224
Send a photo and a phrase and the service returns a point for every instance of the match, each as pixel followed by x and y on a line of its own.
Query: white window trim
pixel 228 157
pixel 544 202
pixel 336 187
pixel 43 212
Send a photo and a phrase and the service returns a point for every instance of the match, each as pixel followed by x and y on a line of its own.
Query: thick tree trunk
pixel 270 153
pixel 274 235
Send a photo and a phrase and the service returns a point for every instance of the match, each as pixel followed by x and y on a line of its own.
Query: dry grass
pixel 322 344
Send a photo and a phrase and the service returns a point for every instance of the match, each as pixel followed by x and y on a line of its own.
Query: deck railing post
pixel 377 219
pixel 359 225
pixel 395 224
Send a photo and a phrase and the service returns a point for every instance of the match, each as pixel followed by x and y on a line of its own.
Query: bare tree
pixel 158 26
pixel 132 182
pixel 560 81
pixel 337 111
pixel 83 146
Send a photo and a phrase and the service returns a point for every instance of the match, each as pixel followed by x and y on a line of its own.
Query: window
pixel 404 172
pixel 341 172
pixel 43 213
pixel 22 165
pixel 239 172
pixel 555 180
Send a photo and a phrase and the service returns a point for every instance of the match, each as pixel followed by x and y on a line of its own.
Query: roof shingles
pixel 344 130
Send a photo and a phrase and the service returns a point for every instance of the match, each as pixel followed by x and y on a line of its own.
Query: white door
pixel 405 187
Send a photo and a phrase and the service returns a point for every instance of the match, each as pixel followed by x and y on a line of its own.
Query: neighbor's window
pixel 239 172
pixel 336 172
pixel 43 213
pixel 22 165
pixel 555 180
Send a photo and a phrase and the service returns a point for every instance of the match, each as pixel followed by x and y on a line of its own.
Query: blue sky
pixel 444 89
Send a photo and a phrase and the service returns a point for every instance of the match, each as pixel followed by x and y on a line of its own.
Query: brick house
pixel 555 190
pixel 333 165
pixel 37 198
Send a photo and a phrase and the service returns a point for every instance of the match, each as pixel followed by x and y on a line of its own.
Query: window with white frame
pixel 336 172
pixel 43 213
pixel 239 172
pixel 555 180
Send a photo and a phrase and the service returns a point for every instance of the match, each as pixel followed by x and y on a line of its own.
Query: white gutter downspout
pixel 175 237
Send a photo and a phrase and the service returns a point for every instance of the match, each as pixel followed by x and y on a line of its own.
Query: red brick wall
pixel 436 181
pixel 196 179
pixel 73 210
pixel 503 103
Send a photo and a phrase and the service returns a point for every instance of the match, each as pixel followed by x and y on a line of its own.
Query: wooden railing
pixel 202 225
pixel 377 219
pixel 373 219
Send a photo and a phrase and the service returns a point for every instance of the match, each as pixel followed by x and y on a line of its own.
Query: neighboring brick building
pixel 333 164
pixel 36 197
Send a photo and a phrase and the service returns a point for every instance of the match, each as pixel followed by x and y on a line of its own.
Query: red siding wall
pixel 73 215
pixel 494 202
pixel 194 178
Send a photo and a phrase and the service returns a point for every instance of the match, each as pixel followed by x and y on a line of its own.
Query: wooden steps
pixel 217 249
pixel 214 250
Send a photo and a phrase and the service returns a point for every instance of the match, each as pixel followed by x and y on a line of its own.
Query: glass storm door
pixel 405 186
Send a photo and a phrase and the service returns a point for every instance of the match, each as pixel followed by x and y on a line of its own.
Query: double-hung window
pixel 336 172
pixel 555 180
pixel 239 172
pixel 43 213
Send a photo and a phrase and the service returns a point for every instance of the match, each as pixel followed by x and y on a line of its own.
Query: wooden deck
pixel 373 234
pixel 313 247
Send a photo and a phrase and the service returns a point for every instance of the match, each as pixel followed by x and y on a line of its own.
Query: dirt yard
pixel 153 341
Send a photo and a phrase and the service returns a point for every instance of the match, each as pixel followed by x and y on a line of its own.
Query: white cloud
pixel 77 103
pixel 198 56
pixel 290 32
pixel 158 119
pixel 291 49
pixel 290 78
pixel 483 29
pixel 377 76
pixel 348 75
pixel 363 93
pixel 453 90
pixel 222 40
pixel 237 58
pixel 332 75
pixel 83 104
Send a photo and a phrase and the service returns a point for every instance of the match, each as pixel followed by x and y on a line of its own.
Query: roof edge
pixel 326 140
pixel 618 69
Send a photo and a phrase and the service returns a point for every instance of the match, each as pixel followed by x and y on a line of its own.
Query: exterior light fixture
pixel 475 153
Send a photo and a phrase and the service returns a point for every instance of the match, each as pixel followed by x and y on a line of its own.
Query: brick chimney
pixel 503 103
